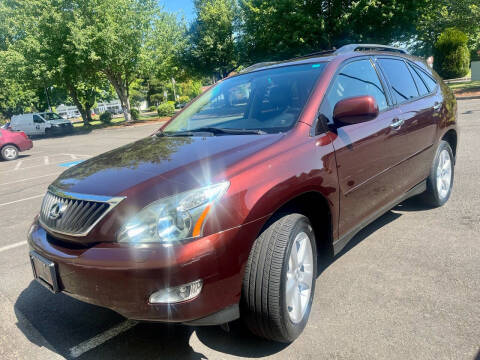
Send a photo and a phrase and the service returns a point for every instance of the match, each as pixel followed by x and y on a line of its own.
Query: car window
pixel 37 119
pixel 270 100
pixel 431 83
pixel 52 116
pixel 400 79
pixel 422 88
pixel 357 78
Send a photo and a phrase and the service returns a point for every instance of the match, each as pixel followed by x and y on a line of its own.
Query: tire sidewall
pixel 294 330
pixel 9 147
pixel 433 173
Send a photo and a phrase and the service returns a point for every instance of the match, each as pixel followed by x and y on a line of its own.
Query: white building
pixel 68 112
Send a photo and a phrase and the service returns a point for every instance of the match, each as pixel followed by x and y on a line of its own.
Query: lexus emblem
pixel 56 211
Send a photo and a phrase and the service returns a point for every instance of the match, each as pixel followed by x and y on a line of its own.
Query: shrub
pixel 166 109
pixel 106 117
pixel 183 99
pixel 451 54
pixel 152 108
pixel 135 113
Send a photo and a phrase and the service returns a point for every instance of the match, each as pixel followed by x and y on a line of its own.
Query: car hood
pixel 161 165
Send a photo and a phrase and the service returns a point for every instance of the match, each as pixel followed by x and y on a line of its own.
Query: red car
pixel 222 212
pixel 12 142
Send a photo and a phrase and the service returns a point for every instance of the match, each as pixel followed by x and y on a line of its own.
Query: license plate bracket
pixel 44 271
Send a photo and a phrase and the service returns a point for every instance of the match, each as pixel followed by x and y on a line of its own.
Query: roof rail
pixel 316 53
pixel 267 63
pixel 366 47
pixel 257 65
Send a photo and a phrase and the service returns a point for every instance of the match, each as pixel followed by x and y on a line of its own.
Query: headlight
pixel 174 218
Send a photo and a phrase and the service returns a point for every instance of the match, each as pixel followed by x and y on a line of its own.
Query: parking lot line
pixel 92 343
pixel 32 178
pixel 19 200
pixel 46 161
pixel 12 246
pixel 19 163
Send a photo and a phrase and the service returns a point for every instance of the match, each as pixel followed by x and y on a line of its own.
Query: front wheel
pixel 440 179
pixel 279 280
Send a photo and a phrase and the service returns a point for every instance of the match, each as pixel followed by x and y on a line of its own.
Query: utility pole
pixel 174 91
pixel 48 100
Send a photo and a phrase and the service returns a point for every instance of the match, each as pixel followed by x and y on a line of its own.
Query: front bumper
pixel 122 277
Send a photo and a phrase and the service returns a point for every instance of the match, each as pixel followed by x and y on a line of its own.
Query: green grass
pixel 465 86
pixel 97 124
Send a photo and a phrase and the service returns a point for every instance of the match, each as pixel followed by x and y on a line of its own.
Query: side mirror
pixel 355 110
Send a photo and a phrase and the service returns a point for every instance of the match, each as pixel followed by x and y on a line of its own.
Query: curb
pixel 468 97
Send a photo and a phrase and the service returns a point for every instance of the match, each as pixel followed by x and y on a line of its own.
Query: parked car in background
pixel 222 212
pixel 12 142
pixel 46 123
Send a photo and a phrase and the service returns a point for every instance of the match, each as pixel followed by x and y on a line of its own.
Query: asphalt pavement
pixel 406 287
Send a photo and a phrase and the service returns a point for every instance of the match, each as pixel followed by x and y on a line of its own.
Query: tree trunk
pixel 86 115
pixel 121 88
pixel 88 111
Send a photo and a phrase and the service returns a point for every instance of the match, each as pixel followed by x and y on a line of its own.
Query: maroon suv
pixel 222 212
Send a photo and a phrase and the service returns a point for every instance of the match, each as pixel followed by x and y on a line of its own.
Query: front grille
pixel 73 214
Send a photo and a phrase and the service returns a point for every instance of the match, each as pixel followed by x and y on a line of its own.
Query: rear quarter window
pixel 429 81
pixel 422 88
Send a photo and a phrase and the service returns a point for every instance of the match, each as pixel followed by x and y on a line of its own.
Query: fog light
pixel 177 294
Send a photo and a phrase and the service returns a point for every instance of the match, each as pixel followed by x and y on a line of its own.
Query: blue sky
pixel 184 7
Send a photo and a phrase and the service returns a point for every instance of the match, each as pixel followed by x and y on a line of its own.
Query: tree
pixel 452 58
pixel 44 49
pixel 278 29
pixel 439 15
pixel 15 95
pixel 212 43
pixel 160 62
pixel 164 43
pixel 111 33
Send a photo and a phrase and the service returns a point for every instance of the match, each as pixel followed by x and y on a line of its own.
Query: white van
pixel 40 124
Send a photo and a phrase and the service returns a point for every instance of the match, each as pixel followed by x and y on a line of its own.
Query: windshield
pixel 269 101
pixel 52 116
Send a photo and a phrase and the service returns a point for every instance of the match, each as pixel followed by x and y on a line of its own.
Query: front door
pixel 361 150
pixel 39 125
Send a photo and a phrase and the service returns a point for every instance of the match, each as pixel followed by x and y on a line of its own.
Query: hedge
pixel 451 54
pixel 166 109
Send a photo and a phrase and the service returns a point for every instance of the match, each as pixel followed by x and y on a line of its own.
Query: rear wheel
pixel 279 279
pixel 9 152
pixel 440 180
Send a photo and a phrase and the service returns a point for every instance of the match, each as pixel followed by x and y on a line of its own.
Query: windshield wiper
pixel 213 131
pixel 228 131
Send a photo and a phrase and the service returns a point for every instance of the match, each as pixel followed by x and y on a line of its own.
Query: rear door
pixel 411 141
pixel 361 150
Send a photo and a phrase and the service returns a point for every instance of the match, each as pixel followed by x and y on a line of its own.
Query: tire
pixel 9 152
pixel 265 306
pixel 440 179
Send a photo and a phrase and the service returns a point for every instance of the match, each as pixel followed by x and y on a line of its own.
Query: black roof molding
pixel 343 50
pixel 369 47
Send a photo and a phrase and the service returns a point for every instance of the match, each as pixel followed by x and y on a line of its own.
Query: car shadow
pixel 412 204
pixel 64 135
pixel 64 323
pixel 325 259
pixel 60 323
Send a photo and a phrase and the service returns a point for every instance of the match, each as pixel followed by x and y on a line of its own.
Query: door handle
pixel 396 123
pixel 437 106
